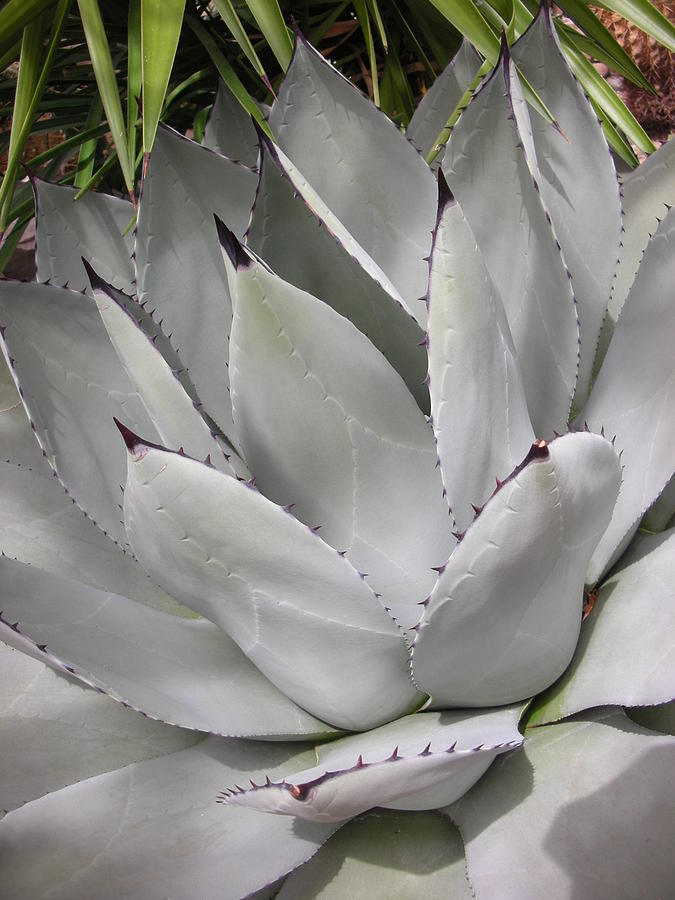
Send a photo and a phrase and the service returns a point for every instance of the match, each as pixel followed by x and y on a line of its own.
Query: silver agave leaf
pixel 289 631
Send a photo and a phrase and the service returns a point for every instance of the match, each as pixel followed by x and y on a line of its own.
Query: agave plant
pixel 333 585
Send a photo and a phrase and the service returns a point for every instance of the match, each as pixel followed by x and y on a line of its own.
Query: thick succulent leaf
pixel 180 274
pixel 503 621
pixel 229 129
pixel 328 426
pixel 634 395
pixel 367 173
pixel 297 609
pixel 73 384
pixel 648 192
pixel 182 671
pixel 478 405
pixel 298 245
pixel 625 654
pixel 491 176
pixel 577 180
pixel 418 762
pixel 442 98
pixel 166 402
pixel 152 829
pixel 335 227
pixel 582 809
pixel 56 732
pixel 660 514
pixel 18 444
pixel 385 856
pixel 656 718
pixel 96 227
pixel 41 526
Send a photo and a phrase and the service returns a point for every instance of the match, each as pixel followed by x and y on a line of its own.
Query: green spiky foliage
pixel 342 477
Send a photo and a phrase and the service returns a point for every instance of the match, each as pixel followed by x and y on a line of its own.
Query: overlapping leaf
pixel 296 608
pixel 520 567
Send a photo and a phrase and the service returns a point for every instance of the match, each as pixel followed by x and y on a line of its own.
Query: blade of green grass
pixel 364 21
pixel 616 141
pixel 8 182
pixel 271 22
pixel 229 15
pixel 87 154
pixel 603 96
pixel 586 45
pixel 29 67
pixel 161 23
pixel 593 28
pixel 374 10
pixel 646 17
pixel 15 15
pixel 134 74
pixel 102 65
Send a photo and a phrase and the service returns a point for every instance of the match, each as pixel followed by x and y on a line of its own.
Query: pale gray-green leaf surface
pixel 73 384
pixel 96 227
pixel 625 654
pixel 634 394
pixel 181 671
pixel 388 856
pixel 490 174
pixel 297 608
pixel 369 175
pixel 327 425
pixel 577 180
pixel 152 829
pixel 442 98
pixel 478 405
pixel 299 246
pixel 55 731
pixel 229 129
pixel 179 271
pixel 418 762
pixel 519 567
pixel 580 813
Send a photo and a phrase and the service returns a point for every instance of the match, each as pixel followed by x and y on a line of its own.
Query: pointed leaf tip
pixel 97 283
pixel 445 195
pixel 130 439
pixel 231 245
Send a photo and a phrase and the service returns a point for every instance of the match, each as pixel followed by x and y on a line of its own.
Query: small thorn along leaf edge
pixel 344 550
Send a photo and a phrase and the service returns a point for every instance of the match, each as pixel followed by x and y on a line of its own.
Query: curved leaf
pixel 634 394
pixel 436 756
pixel 578 183
pixel 625 654
pixel 229 129
pixel 495 183
pixel 647 193
pixel 520 567
pixel 442 99
pixel 478 406
pixel 56 732
pixel 180 275
pixel 73 384
pixel 104 836
pixel 92 227
pixel 328 426
pixel 296 608
pixel 369 176
pixel 168 405
pixel 583 799
pixel 388 856
pixel 297 243
pixel 184 672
